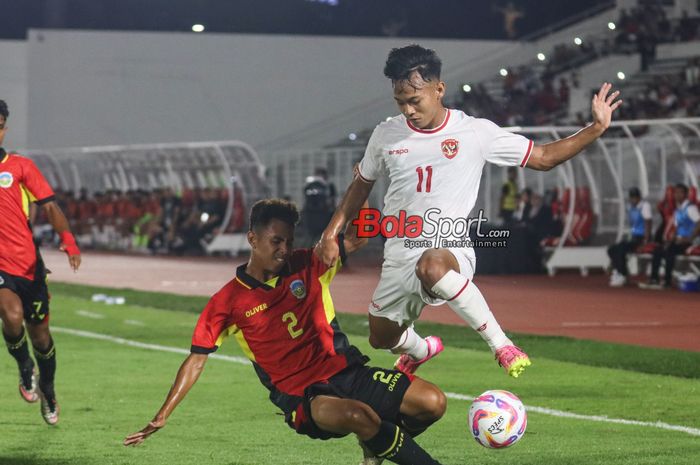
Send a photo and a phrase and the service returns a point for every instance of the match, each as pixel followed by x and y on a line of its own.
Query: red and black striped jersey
pixel 286 326
pixel 21 182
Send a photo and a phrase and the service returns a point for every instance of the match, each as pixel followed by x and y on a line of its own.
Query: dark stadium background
pixel 464 19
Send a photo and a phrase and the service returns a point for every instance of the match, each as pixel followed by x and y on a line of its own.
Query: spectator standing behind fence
pixel 640 215
pixel 319 203
pixel 686 220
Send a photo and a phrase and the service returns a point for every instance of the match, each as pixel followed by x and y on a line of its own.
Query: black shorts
pixel 382 389
pixel 33 294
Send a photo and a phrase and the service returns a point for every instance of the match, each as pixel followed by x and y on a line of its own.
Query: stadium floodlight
pixel 541 56
pixel 197 28
pixel 467 88
pixel 611 26
pixel 620 75
pixel 578 41
pixel 503 72
pixel 352 136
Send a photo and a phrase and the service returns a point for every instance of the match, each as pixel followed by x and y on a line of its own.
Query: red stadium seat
pixel 693 251
pixel 666 208
pixel 583 220
pixel 647 248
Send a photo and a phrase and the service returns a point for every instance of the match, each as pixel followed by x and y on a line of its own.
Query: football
pixel 497 419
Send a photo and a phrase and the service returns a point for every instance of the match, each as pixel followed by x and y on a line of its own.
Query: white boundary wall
pixel 140 87
pixel 13 89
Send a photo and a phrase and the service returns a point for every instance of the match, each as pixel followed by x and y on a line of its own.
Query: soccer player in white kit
pixel 434 157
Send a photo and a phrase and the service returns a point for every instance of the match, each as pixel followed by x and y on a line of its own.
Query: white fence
pixel 230 165
pixel 649 154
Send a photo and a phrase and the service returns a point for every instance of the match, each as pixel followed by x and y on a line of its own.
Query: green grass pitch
pixel 107 390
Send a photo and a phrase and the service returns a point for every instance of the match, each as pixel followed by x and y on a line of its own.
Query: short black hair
pixel 267 210
pixel 403 61
pixel 4 111
pixel 683 187
pixel 635 192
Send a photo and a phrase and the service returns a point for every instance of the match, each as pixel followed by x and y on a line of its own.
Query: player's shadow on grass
pixel 29 460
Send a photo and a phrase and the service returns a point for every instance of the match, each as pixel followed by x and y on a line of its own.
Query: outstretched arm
pixel 547 156
pixel 188 374
pixel 351 241
pixel 60 225
pixel 356 195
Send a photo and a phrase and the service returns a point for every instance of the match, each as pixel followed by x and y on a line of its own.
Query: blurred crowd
pixel 159 221
pixel 647 25
pixel 529 99
pixel 538 94
pixel 675 95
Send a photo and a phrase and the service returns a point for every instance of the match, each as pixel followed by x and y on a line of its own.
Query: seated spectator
pixel 531 224
pixel 687 223
pixel 639 214
pixel 692 72
pixel 687 28
pixel 540 220
pixel 521 215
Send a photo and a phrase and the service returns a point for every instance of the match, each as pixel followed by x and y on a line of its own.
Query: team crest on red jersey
pixel 6 179
pixel 298 289
pixel 450 147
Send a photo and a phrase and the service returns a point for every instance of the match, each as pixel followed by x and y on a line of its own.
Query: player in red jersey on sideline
pixel 279 309
pixel 23 292
pixel 433 157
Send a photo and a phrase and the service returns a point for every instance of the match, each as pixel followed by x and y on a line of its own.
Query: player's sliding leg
pixel 16 341
pixel 385 439
pixel 438 271
pixel 45 354
pixel 422 405
pixel 400 339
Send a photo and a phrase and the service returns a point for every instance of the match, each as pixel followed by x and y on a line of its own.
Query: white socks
pixel 465 299
pixel 412 344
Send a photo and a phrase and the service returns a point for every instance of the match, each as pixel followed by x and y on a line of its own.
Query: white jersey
pixel 436 172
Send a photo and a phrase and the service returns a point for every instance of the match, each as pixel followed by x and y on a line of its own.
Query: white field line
pixel 86 314
pixel 134 323
pixel 142 345
pixel 614 324
pixel 451 395
pixel 598 418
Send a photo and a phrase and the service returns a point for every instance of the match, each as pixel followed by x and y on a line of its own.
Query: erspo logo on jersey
pixel 429 230
pixel 6 179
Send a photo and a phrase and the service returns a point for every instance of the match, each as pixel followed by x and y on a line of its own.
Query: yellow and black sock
pixel 394 444
pixel 19 349
pixel 46 359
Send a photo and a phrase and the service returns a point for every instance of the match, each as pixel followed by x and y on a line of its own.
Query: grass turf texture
pixel 108 390
pixel 565 349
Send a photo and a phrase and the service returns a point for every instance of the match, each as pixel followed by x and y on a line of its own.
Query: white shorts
pixel 400 296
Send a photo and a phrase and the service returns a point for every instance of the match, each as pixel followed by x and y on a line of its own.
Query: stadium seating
pixel 583 222
pixel 175 198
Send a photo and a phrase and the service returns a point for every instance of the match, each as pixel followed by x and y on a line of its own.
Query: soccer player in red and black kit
pixel 280 310
pixel 23 292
